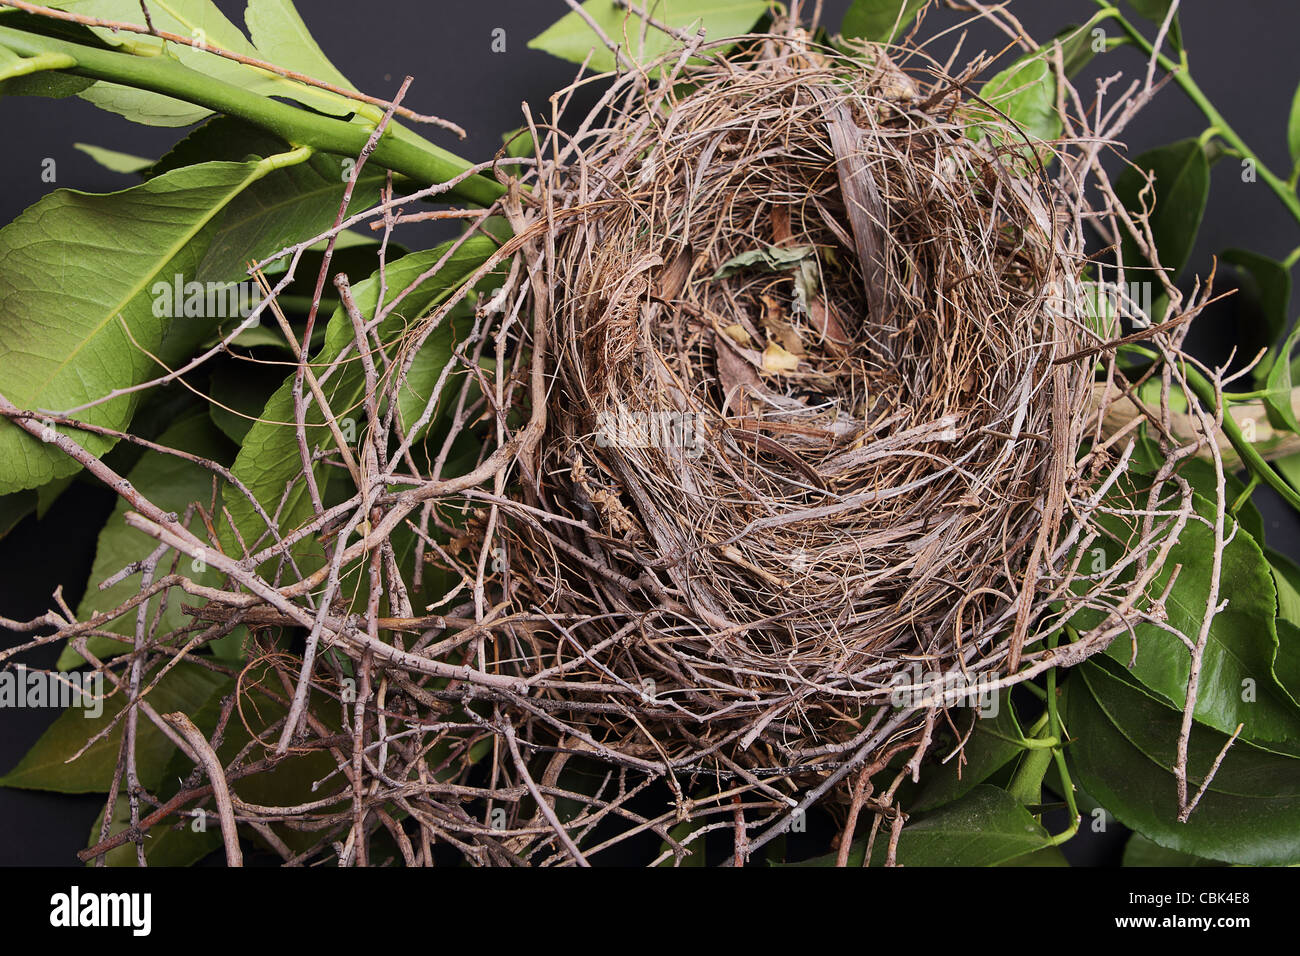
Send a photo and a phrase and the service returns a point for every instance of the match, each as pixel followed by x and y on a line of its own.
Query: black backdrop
pixel 1243 54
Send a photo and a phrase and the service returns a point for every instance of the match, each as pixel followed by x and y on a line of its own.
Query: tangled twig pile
pixel 792 405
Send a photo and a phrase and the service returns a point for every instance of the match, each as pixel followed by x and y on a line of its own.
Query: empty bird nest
pixel 821 348
pixel 803 424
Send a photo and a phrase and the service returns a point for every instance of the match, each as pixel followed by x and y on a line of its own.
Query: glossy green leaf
pixel 1286 578
pixel 288 205
pixel 114 161
pixel 1176 201
pixel 1287 663
pixel 1264 295
pixel 881 21
pixel 239 391
pixel 1156 11
pixel 1122 751
pixel 269 460
pixel 695 856
pixel 164 845
pixel 283 39
pixel 987 827
pixel 186 687
pixel 202 21
pixel 1289 467
pixel 172 484
pixel 77 271
pixel 293 780
pixel 1076 48
pixel 1200 473
pixel 14 508
pixel 1026 93
pixel 1242 643
pixel 50 83
pixel 1277 394
pixel 1139 851
pixel 1293 128
pixel 1047 856
pixel 994 742
pixel 572 39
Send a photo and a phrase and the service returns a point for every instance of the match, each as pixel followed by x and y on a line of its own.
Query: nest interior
pixel 807 417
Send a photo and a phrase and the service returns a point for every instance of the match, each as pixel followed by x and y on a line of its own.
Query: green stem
pixel 1057 730
pixel 1183 77
pixel 1250 456
pixel 37 64
pixel 408 155
pixel 1203 388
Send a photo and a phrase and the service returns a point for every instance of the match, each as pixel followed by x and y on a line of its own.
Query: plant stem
pixel 408 155
pixel 1183 77
pixel 37 64
pixel 1057 730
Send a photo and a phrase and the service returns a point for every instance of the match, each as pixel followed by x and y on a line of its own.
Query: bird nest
pixel 787 432
pixel 816 403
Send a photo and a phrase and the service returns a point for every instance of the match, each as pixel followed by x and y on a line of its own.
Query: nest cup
pixel 805 325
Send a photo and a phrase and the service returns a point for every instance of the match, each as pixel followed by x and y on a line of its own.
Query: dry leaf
pixel 825 318
pixel 778 327
pixel 739 334
pixel 781 232
pixel 777 359
pixel 736 375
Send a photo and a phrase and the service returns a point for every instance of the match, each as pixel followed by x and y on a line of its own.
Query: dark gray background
pixel 1243 54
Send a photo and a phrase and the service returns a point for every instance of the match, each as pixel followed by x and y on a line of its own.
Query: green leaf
pixel 1242 642
pixel 186 687
pixel 774 258
pixel 1047 856
pixel 172 484
pixel 203 21
pixel 1026 92
pixel 570 38
pixel 518 143
pixel 1289 467
pixel 293 780
pixel 880 21
pixel 1122 751
pixel 288 205
pixel 1287 663
pixel 77 271
pixel 695 856
pixel 1264 294
pixel 1181 190
pixel 1139 851
pixel 1293 128
pixel 113 160
pixel 283 39
pixel 269 459
pixel 993 743
pixel 1277 395
pixel 1200 473
pixel 242 390
pixel 21 82
pixel 164 845
pixel 1286 577
pixel 1076 47
pixel 987 827
pixel 14 508
pixel 1156 11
